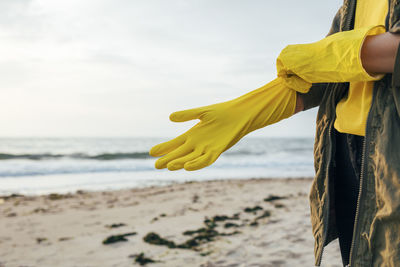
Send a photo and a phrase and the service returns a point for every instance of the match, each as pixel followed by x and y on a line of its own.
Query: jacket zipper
pixel 364 165
pixel 347 26
pixel 326 211
pixel 363 161
pixel 352 7
pixel 364 168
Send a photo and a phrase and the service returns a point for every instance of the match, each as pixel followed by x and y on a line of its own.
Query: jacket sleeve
pixel 314 96
pixel 393 19
pixel 394 27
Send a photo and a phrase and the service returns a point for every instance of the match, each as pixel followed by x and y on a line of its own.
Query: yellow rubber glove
pixel 222 125
pixel 335 58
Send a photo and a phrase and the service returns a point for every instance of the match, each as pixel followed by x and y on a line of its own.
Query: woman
pixel 355 193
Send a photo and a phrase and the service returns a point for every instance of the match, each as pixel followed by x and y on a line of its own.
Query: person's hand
pixel 222 125
pixel 335 58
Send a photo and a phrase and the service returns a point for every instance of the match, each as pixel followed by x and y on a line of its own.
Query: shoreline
pixel 249 222
pixel 144 188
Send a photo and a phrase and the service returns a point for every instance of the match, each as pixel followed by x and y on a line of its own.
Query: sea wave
pixel 106 156
pixel 103 156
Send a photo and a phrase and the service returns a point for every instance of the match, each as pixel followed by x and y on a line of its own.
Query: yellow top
pixel 352 111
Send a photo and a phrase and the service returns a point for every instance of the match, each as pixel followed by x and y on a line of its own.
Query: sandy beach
pixel 257 222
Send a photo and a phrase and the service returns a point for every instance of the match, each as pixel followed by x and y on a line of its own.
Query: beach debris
pixel 254 223
pixel 195 198
pixel 210 223
pixel 230 225
pixel 279 205
pixel 196 241
pixel 41 239
pixel 11 214
pixel 55 196
pixel 206 253
pixel 200 236
pixel 229 234
pixel 273 198
pixel 40 210
pixel 155 239
pixel 117 238
pixel 202 230
pixel 192 243
pixel 65 238
pixel 221 218
pixel 141 259
pixel 253 210
pixel 81 192
pixel 192 209
pixel 11 196
pixel 115 225
pixel 266 213
pixel 156 218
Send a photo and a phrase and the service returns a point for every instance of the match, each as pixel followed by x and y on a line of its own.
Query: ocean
pixel 34 166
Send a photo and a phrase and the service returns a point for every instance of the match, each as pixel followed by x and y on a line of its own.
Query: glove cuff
pixel 375 30
pixel 336 58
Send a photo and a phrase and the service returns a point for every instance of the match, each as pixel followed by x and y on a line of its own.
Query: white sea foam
pixel 42 165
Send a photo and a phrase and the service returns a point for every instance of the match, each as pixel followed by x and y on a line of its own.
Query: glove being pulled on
pixel 222 125
pixel 336 58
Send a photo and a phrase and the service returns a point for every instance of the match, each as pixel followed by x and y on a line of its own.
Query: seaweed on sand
pixel 221 218
pixel 202 230
pixel 212 223
pixel 192 243
pixel 266 213
pixel 142 260
pixel 55 196
pixel 115 225
pixel 41 240
pixel 253 210
pixel 273 198
pixel 230 225
pixel 117 238
pixel 155 239
pixel 199 236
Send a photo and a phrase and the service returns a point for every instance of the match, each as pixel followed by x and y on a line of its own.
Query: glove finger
pixel 166 147
pixel 178 163
pixel 201 162
pixel 177 153
pixel 186 115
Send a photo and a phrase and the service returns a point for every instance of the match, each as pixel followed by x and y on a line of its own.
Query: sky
pixel 118 68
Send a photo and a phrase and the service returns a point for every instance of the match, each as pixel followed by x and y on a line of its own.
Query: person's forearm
pixel 378 53
pixel 299 104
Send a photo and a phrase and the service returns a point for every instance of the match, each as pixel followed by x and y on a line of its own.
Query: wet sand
pixel 258 222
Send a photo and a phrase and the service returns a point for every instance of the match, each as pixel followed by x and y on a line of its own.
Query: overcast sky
pixel 120 67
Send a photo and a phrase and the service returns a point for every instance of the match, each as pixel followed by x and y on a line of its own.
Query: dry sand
pixel 69 230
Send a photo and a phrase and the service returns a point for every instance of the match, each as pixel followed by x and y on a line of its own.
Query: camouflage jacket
pixel 376 239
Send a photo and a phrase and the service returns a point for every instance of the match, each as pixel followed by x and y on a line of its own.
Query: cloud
pixel 125 65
